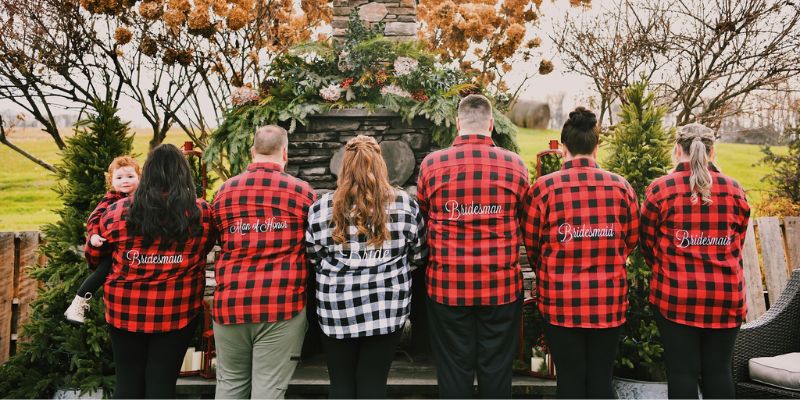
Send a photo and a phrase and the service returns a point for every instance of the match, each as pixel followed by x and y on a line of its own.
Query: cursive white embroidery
pixel 268 225
pixel 456 210
pixel 135 258
pixel 566 232
pixel 684 239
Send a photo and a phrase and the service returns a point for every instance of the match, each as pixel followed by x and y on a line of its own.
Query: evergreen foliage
pixel 52 353
pixel 785 175
pixel 639 148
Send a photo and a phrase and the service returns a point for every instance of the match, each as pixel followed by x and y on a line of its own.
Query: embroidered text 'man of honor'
pixel 258 226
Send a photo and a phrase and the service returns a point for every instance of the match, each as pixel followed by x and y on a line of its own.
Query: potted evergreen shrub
pixel 639 150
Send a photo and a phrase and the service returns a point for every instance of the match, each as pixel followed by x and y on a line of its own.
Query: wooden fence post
pixel 27 287
pixel 792 225
pixel 6 292
pixel 752 276
pixel 774 255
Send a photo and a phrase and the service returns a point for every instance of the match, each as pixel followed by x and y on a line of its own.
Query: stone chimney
pixel 399 16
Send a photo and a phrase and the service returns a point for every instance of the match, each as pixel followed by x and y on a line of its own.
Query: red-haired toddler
pixel 122 180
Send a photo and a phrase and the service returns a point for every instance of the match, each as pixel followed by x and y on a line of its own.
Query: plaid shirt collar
pixel 473 139
pixel 264 166
pixel 684 166
pixel 580 162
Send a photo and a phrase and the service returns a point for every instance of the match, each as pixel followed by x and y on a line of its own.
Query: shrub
pixel 53 353
pixel 639 148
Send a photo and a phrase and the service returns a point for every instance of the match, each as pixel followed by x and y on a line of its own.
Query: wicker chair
pixel 776 332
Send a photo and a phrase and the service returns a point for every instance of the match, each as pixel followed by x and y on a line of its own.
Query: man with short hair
pixel 261 273
pixel 471 195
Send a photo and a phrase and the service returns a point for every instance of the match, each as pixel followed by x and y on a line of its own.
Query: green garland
pixel 366 71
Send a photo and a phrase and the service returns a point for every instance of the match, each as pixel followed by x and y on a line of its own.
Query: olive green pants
pixel 258 360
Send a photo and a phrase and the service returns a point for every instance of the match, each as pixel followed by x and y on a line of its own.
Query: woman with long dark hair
pixel 158 239
pixel 362 239
pixel 580 225
pixel 693 228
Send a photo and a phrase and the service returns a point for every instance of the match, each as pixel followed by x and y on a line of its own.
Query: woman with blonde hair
pixel 693 225
pixel 362 240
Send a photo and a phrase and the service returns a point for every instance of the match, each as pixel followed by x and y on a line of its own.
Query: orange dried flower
pixel 545 67
pixel 151 10
pixel 237 18
pixel 122 35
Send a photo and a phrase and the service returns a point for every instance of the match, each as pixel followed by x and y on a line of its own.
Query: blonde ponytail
pixel 696 140
pixel 700 179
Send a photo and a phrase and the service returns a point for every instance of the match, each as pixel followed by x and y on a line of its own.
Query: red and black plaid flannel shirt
pixel 154 288
pixel 261 272
pixel 580 226
pixel 471 195
pixel 696 250
pixel 93 223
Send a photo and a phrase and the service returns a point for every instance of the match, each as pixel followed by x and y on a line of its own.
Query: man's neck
pixel 570 157
pixel 260 158
pixel 472 133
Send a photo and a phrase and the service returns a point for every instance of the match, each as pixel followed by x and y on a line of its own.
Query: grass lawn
pixel 27 198
pixel 735 160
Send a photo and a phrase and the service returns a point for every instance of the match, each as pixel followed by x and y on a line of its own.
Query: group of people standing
pixel 474 207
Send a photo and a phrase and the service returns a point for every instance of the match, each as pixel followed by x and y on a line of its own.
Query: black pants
pixel 584 360
pixel 693 353
pixel 359 367
pixel 95 280
pixel 466 340
pixel 147 364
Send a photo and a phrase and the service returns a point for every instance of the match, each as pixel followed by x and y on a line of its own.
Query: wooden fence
pixel 771 252
pixel 17 289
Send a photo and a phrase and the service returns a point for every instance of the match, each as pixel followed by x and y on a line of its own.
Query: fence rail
pixel 771 252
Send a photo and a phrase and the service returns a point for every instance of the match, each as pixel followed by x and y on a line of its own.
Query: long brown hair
pixel 363 192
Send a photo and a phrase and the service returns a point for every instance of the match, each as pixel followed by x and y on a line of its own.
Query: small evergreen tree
pixel 785 175
pixel 53 353
pixel 639 148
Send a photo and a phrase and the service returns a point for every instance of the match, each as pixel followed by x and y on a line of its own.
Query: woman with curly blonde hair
pixel 363 239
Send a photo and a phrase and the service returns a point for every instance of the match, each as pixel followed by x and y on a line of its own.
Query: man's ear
pixel 286 153
pixel 491 125
pixel 458 125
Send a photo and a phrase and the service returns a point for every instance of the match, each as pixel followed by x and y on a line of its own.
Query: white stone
pixel 400 29
pixel 372 12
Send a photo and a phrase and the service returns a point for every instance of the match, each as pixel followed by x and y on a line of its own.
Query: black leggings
pixel 359 367
pixel 584 360
pixel 693 353
pixel 96 278
pixel 147 364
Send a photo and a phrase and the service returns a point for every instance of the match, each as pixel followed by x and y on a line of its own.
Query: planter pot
pixel 77 394
pixel 633 389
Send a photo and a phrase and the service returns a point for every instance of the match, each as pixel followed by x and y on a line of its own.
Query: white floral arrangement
pixel 344 64
pixel 244 95
pixel 395 90
pixel 331 92
pixel 404 66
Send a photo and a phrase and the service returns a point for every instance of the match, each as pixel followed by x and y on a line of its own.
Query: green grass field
pixel 27 198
